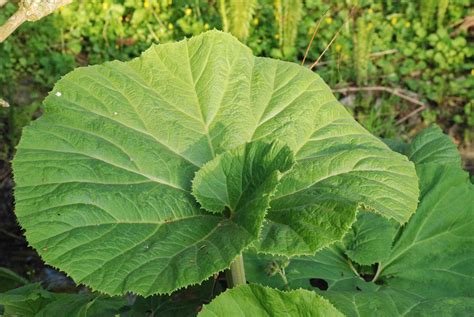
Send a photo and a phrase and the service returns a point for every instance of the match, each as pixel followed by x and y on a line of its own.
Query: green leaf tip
pixel 256 300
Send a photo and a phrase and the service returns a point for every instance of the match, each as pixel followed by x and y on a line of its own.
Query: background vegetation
pixel 398 65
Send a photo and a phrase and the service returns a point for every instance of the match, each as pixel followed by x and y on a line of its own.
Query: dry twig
pixel 466 24
pixel 402 94
pixel 327 46
pixel 29 10
pixel 333 39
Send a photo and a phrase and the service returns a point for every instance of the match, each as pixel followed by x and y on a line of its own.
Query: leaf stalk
pixel 236 276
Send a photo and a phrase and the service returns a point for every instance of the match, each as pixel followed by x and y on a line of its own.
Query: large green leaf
pixel 429 263
pixel 256 300
pixel 103 178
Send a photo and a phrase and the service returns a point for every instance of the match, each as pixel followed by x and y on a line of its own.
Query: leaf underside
pixel 104 177
pixel 428 270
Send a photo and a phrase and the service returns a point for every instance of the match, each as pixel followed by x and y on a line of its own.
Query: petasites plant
pixel 154 174
pixel 423 268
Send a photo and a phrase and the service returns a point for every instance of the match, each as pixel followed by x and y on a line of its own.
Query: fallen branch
pixel 371 55
pixel 465 25
pixel 383 53
pixel 411 114
pixel 29 10
pixel 402 94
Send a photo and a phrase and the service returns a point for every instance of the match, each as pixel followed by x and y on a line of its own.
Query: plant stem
pixel 223 12
pixel 282 274
pixel 236 276
pixel 377 273
pixel 351 266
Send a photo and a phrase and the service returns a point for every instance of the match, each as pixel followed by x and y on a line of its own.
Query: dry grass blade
pixel 312 37
pixel 332 40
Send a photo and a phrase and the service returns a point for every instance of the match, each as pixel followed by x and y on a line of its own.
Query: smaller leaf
pixel 10 280
pixel 429 146
pixel 256 300
pixel 24 301
pixel 233 177
pixel 432 146
pixel 370 238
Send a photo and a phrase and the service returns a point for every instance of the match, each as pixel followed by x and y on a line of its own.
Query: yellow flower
pixel 188 11
pixel 329 20
pixel 170 26
pixel 146 4
pixel 370 26
pixel 472 72
pixel 105 5
pixel 277 36
pixel 394 21
pixel 407 24
pixel 255 21
pixel 206 26
pixel 338 47
pixel 370 11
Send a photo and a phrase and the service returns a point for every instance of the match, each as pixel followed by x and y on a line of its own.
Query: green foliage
pixel 434 61
pixel 428 269
pixel 428 12
pixel 288 15
pixel 32 300
pixel 363 48
pixel 256 300
pixel 240 15
pixel 10 280
pixel 100 211
pixel 442 8
pixel 157 227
